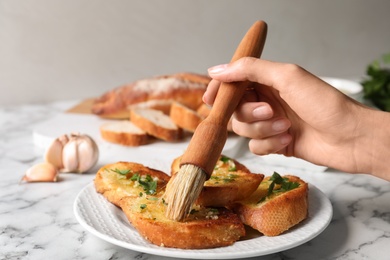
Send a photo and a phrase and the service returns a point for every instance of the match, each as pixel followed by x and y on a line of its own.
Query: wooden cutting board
pixel 84 107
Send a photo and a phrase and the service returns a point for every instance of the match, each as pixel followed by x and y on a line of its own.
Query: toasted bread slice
pixel 185 117
pixel 274 213
pixel 156 123
pixel 126 179
pixel 203 228
pixel 229 182
pixel 124 133
pixel 123 184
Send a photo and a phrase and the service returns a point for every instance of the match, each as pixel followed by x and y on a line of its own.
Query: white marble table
pixel 37 219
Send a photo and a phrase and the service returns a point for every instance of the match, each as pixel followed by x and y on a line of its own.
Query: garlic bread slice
pixel 230 181
pixel 278 204
pixel 202 228
pixel 127 179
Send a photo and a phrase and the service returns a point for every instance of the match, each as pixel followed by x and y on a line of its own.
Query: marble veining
pixel 37 220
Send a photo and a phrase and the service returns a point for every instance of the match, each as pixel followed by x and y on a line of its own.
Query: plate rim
pixel 207 253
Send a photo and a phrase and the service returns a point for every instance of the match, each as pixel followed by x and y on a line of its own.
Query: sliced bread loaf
pixel 187 88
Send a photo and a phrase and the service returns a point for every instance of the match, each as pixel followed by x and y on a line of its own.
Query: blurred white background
pixel 75 49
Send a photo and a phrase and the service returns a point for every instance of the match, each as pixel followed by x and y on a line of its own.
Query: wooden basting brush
pixel 206 145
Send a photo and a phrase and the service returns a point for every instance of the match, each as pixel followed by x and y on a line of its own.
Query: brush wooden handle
pixel 210 136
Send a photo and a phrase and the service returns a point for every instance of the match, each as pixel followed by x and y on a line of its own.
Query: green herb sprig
pixel 376 87
pixel 232 166
pixel 148 184
pixel 285 185
pixel 224 159
pixel 122 172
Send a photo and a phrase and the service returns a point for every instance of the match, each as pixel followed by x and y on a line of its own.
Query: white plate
pixel 109 223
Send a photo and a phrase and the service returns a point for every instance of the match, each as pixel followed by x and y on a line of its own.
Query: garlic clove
pixel 88 153
pixel 70 155
pixel 63 139
pixel 42 172
pixel 53 153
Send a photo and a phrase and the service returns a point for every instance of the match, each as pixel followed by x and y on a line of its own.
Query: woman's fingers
pixel 249 112
pixel 247 69
pixel 274 144
pixel 211 92
pixel 261 129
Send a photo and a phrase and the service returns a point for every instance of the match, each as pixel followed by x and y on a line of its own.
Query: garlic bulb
pixel 42 172
pixel 76 153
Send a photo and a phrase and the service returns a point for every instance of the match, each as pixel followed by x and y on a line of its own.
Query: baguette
pixel 185 117
pixel 275 213
pixel 203 228
pixel 230 181
pixel 186 88
pixel 124 133
pixel 156 123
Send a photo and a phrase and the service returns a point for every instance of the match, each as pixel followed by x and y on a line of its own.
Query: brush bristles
pixel 183 190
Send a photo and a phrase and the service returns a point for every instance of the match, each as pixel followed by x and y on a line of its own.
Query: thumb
pixel 274 74
pixel 247 68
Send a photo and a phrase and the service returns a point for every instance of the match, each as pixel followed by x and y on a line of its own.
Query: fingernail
pixel 280 125
pixel 261 112
pixel 217 69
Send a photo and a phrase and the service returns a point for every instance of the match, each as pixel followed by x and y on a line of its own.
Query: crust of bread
pixel 124 133
pixel 230 181
pixel 185 117
pixel 278 213
pixel 186 88
pixel 115 186
pixel 146 119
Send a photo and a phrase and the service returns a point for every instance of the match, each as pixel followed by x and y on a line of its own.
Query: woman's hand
pixel 292 112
